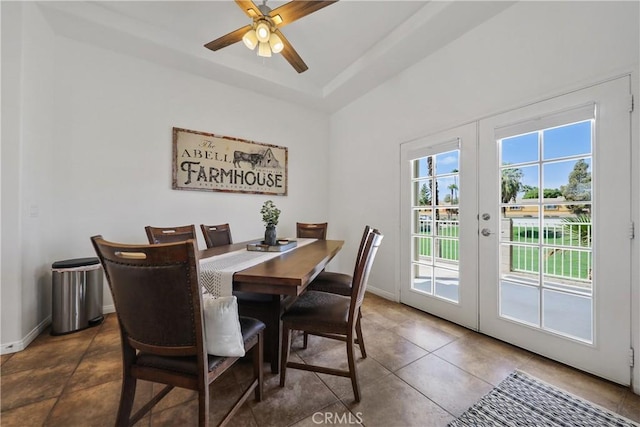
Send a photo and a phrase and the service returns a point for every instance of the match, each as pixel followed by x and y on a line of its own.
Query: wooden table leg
pixel 268 309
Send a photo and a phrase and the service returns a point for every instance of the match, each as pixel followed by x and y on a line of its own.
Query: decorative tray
pixel 281 246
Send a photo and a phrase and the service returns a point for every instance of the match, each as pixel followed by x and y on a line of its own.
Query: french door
pixel 543 228
pixel 439 225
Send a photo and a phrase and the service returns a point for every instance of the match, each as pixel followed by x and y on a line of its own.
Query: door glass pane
pixel 568 313
pixel 422 167
pixel 422 221
pixel 572 178
pixel 546 250
pixel 447 190
pixel 520 184
pixel 436 197
pixel 447 281
pixel 423 249
pixel 422 192
pixel 520 302
pixel 423 278
pixel 520 149
pixel 555 141
pixel 447 162
pixel 523 260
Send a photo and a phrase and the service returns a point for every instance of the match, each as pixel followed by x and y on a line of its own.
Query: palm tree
pixel 453 188
pixel 577 231
pixel 511 184
pixel 455 182
pixel 578 228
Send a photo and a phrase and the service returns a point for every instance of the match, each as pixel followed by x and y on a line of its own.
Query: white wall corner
pixel 16 346
pixel 382 293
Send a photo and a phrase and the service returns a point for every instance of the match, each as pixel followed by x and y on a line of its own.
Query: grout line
pixel 84 354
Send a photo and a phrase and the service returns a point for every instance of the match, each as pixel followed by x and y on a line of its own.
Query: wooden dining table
pixel 266 289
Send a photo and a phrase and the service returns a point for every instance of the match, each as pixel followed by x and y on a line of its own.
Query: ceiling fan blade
pixel 290 54
pixel 297 9
pixel 249 8
pixel 228 39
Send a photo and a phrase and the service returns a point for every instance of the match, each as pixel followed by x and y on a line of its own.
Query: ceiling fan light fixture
pixel 250 39
pixel 266 21
pixel 264 50
pixel 275 43
pixel 263 32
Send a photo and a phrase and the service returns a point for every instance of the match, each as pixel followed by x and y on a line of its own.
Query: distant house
pixel 552 207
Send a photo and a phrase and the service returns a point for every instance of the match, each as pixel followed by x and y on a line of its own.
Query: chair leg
pixel 286 345
pixel 203 406
pixel 305 340
pixel 127 395
pixel 258 368
pixel 359 335
pixel 353 373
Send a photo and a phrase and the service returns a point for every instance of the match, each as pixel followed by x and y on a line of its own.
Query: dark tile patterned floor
pixel 421 371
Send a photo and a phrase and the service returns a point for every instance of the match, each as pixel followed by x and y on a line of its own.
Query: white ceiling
pixel 350 46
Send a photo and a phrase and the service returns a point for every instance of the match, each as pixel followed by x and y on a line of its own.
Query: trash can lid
pixel 77 262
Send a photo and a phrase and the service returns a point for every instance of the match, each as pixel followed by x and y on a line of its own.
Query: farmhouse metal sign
pixel 207 162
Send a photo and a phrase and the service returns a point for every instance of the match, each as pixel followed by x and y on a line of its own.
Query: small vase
pixel 270 235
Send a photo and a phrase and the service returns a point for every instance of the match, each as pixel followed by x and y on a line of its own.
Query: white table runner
pixel 216 272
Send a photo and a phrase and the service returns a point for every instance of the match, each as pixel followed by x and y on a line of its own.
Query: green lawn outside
pixel 448 247
pixel 561 262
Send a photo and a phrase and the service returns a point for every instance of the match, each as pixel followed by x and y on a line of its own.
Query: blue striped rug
pixel 521 400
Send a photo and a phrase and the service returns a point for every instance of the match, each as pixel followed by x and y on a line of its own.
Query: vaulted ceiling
pixel 350 46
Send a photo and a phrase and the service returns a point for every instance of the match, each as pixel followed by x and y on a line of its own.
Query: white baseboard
pixel 16 346
pixel 381 293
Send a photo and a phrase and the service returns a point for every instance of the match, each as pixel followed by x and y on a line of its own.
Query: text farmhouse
pixel 213 163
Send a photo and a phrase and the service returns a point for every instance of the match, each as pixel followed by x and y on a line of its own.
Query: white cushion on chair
pixel 223 335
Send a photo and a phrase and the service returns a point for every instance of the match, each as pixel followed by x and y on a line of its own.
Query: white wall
pixel 95 158
pixel 10 290
pixel 27 122
pixel 530 51
pixel 114 119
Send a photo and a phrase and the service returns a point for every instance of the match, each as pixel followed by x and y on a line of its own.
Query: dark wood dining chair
pixel 312 230
pixel 340 283
pixel 170 234
pixel 216 235
pixel 331 316
pixel 158 301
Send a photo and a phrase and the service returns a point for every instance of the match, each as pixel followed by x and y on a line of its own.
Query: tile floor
pixel 421 371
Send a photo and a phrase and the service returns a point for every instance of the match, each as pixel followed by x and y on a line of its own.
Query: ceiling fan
pixel 265 33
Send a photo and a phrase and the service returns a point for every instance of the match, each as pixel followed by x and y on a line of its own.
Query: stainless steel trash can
pixel 77 295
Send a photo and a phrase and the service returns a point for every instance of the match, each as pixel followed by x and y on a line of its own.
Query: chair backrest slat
pixel 170 234
pixel 363 241
pixel 362 270
pixel 312 230
pixel 216 235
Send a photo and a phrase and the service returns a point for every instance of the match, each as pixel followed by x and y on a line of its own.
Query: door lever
pixel 486 232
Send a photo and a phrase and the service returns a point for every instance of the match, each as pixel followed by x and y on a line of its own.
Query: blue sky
pixel 445 163
pixel 561 148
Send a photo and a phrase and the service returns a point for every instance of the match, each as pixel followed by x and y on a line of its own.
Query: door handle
pixel 486 232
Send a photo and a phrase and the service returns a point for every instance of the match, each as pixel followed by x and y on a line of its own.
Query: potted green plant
pixel 270 214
